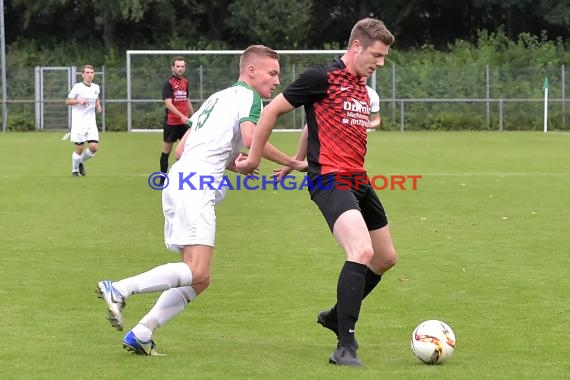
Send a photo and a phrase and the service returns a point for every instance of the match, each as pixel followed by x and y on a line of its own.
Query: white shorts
pixel 189 217
pixel 82 134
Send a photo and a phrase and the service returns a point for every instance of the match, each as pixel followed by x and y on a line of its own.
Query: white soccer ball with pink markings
pixel 433 342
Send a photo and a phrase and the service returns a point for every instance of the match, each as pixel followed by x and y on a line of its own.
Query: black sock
pixel 164 162
pixel 372 279
pixel 350 289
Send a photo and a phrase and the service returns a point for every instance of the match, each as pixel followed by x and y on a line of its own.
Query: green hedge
pixel 516 70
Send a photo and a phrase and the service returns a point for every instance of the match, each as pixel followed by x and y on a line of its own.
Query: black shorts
pixel 88 142
pixel 173 133
pixel 336 193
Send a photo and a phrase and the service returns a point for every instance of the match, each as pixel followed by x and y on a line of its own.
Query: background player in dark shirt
pixel 338 108
pixel 177 111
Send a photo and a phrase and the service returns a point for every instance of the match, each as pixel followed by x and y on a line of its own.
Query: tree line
pixel 442 50
pixel 116 25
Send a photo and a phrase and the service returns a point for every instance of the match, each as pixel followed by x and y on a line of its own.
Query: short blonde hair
pixel 369 30
pixel 255 51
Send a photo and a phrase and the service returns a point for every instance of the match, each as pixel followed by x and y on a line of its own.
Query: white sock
pixel 87 154
pixel 170 303
pixel 142 332
pixel 75 160
pixel 160 278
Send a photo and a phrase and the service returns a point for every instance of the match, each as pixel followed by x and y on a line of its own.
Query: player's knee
pixel 207 280
pixel 201 278
pixel 387 261
pixel 202 286
pixel 362 255
pixel 167 148
pixel 391 259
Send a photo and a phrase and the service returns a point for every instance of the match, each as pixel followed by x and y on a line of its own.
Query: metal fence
pixel 413 97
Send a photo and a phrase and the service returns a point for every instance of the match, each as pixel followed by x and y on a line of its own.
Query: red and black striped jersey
pixel 176 88
pixel 338 110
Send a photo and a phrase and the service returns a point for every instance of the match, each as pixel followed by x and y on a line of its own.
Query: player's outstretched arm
pixel 259 146
pixel 300 155
pixel 269 151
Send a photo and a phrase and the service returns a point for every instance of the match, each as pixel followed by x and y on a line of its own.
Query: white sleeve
pixel 374 100
pixel 74 92
pixel 250 106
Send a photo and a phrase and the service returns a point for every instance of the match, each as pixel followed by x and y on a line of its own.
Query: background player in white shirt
pixel 217 132
pixel 84 101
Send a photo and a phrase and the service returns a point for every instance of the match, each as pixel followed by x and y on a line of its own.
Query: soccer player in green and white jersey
pixel 218 130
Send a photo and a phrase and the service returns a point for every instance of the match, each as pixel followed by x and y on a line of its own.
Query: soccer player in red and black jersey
pixel 338 108
pixel 178 109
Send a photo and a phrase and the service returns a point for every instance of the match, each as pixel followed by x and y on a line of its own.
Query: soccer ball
pixel 433 342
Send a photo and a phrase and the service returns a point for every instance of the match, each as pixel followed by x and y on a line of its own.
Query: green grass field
pixel 483 245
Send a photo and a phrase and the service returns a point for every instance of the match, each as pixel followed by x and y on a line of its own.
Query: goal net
pixel 207 71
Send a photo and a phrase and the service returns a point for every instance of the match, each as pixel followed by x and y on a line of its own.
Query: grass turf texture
pixel 483 245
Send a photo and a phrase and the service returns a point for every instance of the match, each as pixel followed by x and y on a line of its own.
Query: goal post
pixel 208 71
pixel 545 89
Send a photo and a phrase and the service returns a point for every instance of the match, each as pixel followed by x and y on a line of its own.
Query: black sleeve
pixel 310 87
pixel 167 92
